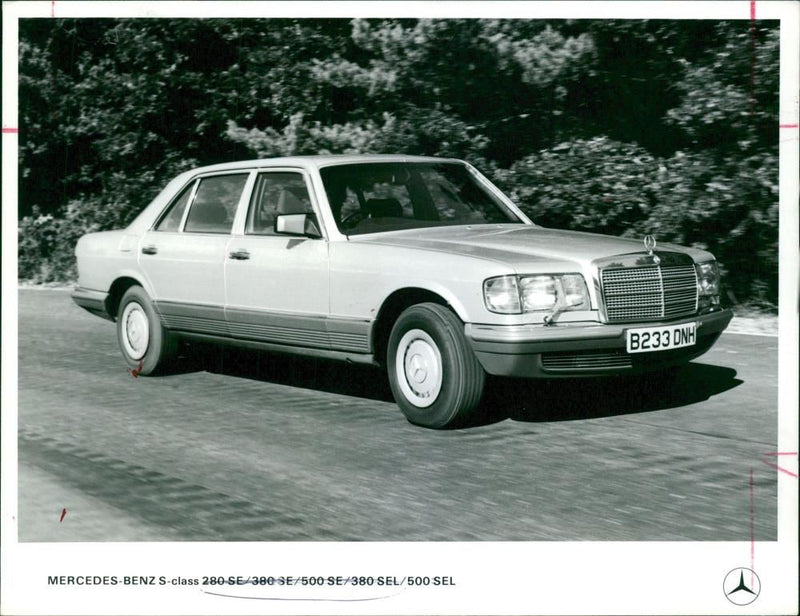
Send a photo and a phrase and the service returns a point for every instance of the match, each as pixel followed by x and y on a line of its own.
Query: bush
pixel 597 185
pixel 727 206
pixel 47 243
pixel 37 240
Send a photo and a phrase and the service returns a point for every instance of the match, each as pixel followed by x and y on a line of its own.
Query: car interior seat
pixel 384 208
pixel 208 217
pixel 288 203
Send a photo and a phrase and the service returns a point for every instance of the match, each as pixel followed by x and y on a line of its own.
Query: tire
pixel 434 375
pixel 146 345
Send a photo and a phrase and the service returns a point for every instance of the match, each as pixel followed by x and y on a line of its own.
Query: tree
pixel 624 127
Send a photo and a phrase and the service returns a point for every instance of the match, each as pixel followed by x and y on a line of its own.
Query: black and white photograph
pixel 400 308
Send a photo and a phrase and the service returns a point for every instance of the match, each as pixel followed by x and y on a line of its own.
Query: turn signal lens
pixel 707 278
pixel 501 294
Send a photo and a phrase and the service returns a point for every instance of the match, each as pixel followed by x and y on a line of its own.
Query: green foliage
pixel 729 207
pixel 46 243
pixel 728 97
pixel 597 185
pixel 621 127
pixel 433 133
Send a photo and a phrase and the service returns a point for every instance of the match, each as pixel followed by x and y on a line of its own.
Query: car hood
pixel 521 244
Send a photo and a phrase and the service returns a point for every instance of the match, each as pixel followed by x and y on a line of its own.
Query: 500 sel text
pixel 259 580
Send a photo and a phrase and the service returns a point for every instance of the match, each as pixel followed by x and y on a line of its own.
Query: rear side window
pixel 171 221
pixel 214 205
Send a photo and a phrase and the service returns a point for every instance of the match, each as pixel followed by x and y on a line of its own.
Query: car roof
pixel 308 163
pixel 318 161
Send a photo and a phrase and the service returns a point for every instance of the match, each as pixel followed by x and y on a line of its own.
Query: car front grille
pixel 649 293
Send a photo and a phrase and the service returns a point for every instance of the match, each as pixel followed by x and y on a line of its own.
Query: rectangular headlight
pixel 536 293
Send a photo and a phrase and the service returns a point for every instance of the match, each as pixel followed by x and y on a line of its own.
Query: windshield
pixel 374 197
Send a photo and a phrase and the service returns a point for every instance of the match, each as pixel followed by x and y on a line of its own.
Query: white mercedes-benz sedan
pixel 417 264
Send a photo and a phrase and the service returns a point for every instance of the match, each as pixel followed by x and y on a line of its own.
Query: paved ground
pixel 249 446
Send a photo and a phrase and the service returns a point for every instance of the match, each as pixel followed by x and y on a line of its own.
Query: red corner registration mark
pixel 663 338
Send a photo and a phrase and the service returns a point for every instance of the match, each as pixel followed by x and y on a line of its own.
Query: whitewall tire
pixel 146 345
pixel 434 375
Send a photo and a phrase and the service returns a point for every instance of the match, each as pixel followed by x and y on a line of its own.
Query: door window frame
pixel 172 203
pixel 237 208
pixel 240 230
pixel 244 198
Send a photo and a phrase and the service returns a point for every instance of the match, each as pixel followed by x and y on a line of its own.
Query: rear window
pixel 171 220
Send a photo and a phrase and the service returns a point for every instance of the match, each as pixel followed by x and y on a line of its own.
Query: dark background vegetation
pixel 621 127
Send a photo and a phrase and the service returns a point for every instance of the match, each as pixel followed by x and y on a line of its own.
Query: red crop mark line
pixel 752 10
pixel 789 126
pixel 135 372
pixel 52 8
pixel 781 469
pixel 63 514
pixel 752 533
pixel 10 131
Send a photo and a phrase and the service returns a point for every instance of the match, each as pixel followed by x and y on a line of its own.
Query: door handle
pixel 239 255
pixel 149 250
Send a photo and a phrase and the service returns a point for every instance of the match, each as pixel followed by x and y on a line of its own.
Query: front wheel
pixel 146 345
pixel 434 375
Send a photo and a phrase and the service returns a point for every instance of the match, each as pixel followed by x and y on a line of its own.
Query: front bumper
pixel 93 301
pixel 582 350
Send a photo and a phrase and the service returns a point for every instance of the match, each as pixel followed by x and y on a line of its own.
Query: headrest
pixel 384 208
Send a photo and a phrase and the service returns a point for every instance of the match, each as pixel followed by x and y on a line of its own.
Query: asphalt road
pixel 245 446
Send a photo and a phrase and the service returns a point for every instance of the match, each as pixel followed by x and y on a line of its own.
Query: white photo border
pixel 491 577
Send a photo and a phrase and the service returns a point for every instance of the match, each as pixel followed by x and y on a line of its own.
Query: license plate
pixel 648 339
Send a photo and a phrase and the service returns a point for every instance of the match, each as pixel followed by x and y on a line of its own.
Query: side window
pixel 215 204
pixel 171 220
pixel 276 193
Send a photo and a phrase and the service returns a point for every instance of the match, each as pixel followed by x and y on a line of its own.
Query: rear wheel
pixel 146 345
pixel 434 375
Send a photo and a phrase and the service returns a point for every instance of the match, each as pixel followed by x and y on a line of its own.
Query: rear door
pixel 183 255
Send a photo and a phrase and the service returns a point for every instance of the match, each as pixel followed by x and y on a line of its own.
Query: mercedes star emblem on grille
pixel 650 246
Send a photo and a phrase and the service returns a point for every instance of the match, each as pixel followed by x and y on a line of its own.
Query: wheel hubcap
pixel 419 368
pixel 135 330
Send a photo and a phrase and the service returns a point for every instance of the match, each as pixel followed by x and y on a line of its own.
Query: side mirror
pixel 297 224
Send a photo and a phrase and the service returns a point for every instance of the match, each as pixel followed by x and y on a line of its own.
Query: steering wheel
pixel 353 218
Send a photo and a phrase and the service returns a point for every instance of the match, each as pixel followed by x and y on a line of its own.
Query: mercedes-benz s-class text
pixel 417 264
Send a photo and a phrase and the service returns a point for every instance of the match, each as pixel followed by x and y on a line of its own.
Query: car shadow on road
pixel 359 380
pixel 574 399
pixel 529 400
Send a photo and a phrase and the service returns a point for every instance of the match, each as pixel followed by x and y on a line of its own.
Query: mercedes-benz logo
pixel 741 586
pixel 649 244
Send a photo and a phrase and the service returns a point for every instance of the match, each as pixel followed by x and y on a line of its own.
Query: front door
pixel 277 285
